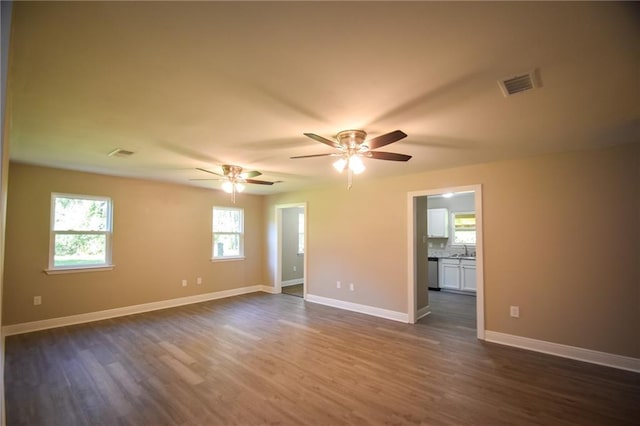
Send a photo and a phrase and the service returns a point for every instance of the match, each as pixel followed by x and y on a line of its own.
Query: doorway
pixel 290 272
pixel 424 302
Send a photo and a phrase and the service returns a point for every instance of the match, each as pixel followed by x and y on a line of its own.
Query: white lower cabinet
pixel 468 275
pixel 449 274
pixel 457 274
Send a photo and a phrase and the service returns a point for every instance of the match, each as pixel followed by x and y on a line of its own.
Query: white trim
pixel 581 354
pixel 27 327
pixel 79 269
pixel 356 307
pixel 227 259
pixel 269 289
pixel 294 281
pixel 411 270
pixel 423 312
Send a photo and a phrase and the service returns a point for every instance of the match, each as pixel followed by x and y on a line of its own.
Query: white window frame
pixel 215 258
pixel 453 229
pixel 108 233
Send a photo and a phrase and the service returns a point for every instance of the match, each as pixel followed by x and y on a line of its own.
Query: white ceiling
pixel 188 85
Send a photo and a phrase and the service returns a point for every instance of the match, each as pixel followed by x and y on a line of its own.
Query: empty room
pixel 320 213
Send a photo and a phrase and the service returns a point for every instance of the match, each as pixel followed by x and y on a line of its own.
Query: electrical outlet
pixel 351 287
pixel 430 245
pixel 199 280
pixel 184 283
pixel 295 269
pixel 441 245
pixel 37 300
pixel 514 311
pixel 338 284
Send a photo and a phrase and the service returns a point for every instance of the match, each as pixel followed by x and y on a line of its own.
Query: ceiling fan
pixel 352 146
pixel 234 179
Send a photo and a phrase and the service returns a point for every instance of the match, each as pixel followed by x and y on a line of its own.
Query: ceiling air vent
pixel 119 152
pixel 519 83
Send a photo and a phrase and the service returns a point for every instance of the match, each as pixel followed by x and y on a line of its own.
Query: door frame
pixel 411 250
pixel 277 279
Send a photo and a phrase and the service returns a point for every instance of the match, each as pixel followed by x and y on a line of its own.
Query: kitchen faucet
pixel 466 251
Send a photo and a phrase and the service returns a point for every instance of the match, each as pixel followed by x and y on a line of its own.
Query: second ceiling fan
pixel 234 178
pixel 352 145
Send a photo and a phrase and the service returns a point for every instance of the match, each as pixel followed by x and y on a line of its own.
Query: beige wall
pixel 561 239
pixel 162 234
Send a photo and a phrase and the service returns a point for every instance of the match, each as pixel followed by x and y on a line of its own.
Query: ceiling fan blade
pixel 333 154
pixel 258 182
pixel 385 139
pixel 320 139
pixel 250 174
pixel 387 156
pixel 209 171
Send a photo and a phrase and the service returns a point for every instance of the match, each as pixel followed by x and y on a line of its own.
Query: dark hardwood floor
pixel 451 310
pixel 273 359
pixel 293 290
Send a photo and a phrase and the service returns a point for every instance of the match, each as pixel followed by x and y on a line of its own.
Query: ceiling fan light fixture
pixel 340 165
pixel 356 165
pixel 239 187
pixel 227 187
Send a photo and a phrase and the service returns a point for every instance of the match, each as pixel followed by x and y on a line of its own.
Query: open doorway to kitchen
pixel 445 233
pixel 291 266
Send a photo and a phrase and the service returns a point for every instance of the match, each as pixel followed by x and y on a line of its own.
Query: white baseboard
pixel 565 351
pixel 356 307
pixel 268 289
pixel 423 312
pixel 294 281
pixel 27 327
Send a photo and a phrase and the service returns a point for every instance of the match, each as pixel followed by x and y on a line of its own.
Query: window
pixel 300 233
pixel 464 228
pixel 228 233
pixel 80 231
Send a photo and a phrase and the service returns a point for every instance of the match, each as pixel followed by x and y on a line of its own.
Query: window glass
pixel 80 231
pixel 228 232
pixel 464 228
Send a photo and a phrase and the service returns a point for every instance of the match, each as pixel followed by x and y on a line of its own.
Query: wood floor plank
pixel 275 359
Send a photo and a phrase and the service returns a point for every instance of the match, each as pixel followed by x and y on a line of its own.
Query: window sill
pixel 79 269
pixel 227 259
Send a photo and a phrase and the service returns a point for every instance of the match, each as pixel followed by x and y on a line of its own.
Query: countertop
pixel 456 257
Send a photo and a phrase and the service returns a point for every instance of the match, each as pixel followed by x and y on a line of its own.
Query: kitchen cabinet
pixel 457 274
pixel 449 274
pixel 437 223
pixel 468 275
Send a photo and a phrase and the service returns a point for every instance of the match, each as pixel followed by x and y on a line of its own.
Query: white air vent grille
pixel 518 83
pixel 119 152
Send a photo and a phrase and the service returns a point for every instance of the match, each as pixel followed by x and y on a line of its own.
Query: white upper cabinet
pixel 437 223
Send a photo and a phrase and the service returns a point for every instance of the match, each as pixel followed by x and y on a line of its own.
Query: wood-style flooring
pixel 273 359
pixel 293 290
pixel 451 310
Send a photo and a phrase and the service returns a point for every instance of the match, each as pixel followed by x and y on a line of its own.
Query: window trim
pixel 108 264
pixel 453 229
pixel 241 256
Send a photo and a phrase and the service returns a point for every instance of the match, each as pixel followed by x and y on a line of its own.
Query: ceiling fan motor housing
pixel 231 171
pixel 351 138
